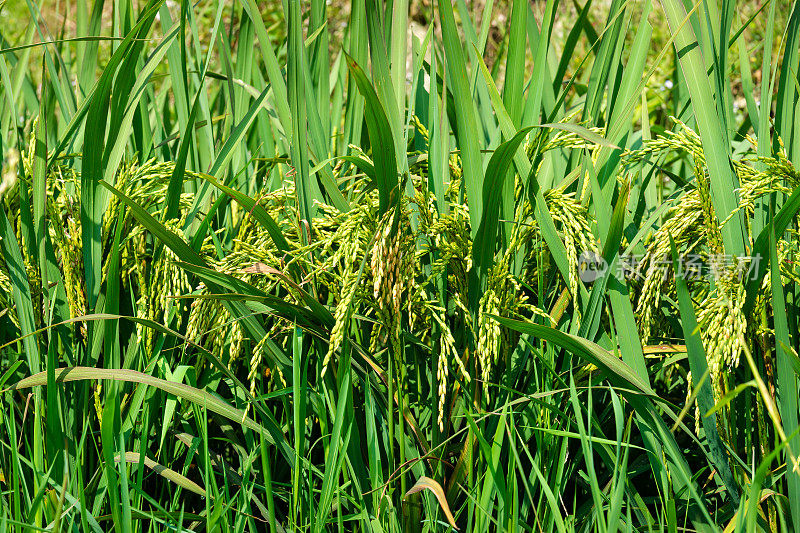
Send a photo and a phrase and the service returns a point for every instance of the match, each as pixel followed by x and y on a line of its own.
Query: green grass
pixel 290 266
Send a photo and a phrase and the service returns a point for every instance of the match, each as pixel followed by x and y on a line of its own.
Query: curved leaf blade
pixel 185 392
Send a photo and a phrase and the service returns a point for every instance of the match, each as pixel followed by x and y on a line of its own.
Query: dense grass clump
pixel 399 266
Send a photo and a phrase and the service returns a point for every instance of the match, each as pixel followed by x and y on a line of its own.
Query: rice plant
pixel 399 266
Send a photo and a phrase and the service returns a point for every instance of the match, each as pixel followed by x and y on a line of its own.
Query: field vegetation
pixel 413 265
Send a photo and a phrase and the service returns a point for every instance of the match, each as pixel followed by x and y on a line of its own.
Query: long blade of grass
pixel 380 136
pixel 307 191
pixel 167 473
pixel 724 182
pixel 787 377
pixel 467 124
pixel 21 291
pixel 483 249
pixel 191 394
